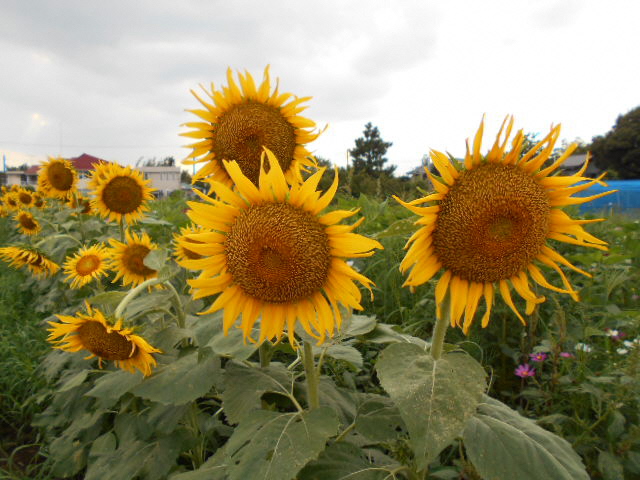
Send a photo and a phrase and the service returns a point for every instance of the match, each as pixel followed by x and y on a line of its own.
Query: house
pixel 572 164
pixel 165 179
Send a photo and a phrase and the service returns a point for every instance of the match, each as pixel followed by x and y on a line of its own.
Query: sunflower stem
pixel 312 376
pixel 121 224
pixel 265 353
pixel 133 293
pixel 53 237
pixel 440 328
pixel 177 305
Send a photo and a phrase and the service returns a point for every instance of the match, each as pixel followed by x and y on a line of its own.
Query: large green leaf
pixel 245 385
pixel 379 419
pixel 435 398
pixel 504 445
pixel 182 380
pixel 207 331
pixel 111 386
pixel 213 469
pixel 343 460
pixel 275 446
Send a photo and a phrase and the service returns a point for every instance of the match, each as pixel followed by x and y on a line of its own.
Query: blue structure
pixel 627 196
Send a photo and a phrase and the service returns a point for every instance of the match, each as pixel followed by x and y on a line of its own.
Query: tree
pixel 619 150
pixel 368 155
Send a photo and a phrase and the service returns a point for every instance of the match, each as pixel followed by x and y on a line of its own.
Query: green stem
pixel 132 294
pixel 312 376
pixel 177 305
pixel 265 353
pixel 440 328
pixel 53 237
pixel 121 224
pixel 346 431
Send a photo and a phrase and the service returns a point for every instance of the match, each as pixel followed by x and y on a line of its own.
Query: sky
pixel 113 79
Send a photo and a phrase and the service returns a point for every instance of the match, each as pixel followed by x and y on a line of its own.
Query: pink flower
pixel 538 357
pixel 525 370
pixel 566 355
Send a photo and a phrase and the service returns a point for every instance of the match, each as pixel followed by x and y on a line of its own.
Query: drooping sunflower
pixel 127 259
pixel 238 121
pixel 87 264
pixel 57 178
pixel 108 342
pixel 119 193
pixel 184 255
pixel 38 263
pixel 491 221
pixel 26 223
pixel 272 255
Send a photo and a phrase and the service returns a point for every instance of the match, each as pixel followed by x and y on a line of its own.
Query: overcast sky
pixel 112 78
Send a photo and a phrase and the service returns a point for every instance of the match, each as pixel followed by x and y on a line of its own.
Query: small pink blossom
pixel 538 357
pixel 525 370
pixel 566 355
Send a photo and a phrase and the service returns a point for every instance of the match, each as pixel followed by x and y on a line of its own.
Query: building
pixel 164 179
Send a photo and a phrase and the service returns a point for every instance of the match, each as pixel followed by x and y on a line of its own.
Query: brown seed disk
pixel 60 176
pixel 87 265
pixel 110 346
pixel 278 253
pixel 25 198
pixel 122 195
pixel 243 131
pixel 133 260
pixel 27 221
pixel 492 223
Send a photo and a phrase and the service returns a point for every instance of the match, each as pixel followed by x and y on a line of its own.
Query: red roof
pixel 83 162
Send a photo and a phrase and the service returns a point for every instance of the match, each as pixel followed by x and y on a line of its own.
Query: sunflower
pixel 36 261
pixel 92 332
pixel 127 259
pixel 491 221
pixel 26 223
pixel 38 201
pixel 4 211
pixel 10 201
pixel 57 178
pixel 184 255
pixel 120 193
pixel 240 120
pixel 271 254
pixel 25 198
pixel 87 264
pixel 80 201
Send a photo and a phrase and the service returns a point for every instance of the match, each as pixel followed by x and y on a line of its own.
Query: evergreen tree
pixel 619 150
pixel 369 154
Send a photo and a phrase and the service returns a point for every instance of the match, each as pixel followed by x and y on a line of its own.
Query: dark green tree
pixel 369 154
pixel 619 150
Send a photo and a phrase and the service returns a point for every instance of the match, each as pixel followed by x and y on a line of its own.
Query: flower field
pixel 268 328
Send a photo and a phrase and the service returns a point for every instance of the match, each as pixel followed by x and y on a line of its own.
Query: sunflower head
pixel 183 254
pixel 38 200
pixel 109 341
pixel 127 259
pixel 38 263
pixel 119 193
pixel 271 254
pixel 80 201
pixel 488 225
pixel 87 264
pixel 26 223
pixel 57 178
pixel 10 201
pixel 239 120
pixel 25 198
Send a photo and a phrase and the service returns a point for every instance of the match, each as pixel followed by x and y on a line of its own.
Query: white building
pixel 164 179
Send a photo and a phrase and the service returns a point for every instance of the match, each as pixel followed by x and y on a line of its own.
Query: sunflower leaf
pixel 182 380
pixel 503 445
pixel 435 397
pixel 275 446
pixel 156 259
pixel 379 419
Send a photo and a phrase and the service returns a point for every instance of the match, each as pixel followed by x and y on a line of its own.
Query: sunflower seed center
pixel 122 195
pixel 60 176
pixel 107 345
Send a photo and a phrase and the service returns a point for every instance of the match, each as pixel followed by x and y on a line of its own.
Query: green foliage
pixel 368 156
pixel 619 149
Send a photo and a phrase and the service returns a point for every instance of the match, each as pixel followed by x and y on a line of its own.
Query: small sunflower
pixel 120 193
pixel 27 224
pixel 38 200
pixel 127 259
pixel 271 254
pixel 38 263
pixel 184 255
pixel 240 120
pixel 492 220
pixel 57 178
pixel 80 201
pixel 92 332
pixel 4 211
pixel 25 198
pixel 87 264
pixel 10 201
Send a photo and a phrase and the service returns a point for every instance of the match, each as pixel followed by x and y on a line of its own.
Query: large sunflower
pixel 92 332
pixel 38 263
pixel 87 264
pixel 272 255
pixel 240 120
pixel 127 259
pixel 57 178
pixel 491 221
pixel 119 192
pixel 26 223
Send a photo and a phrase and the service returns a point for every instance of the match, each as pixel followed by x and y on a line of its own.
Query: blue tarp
pixel 627 196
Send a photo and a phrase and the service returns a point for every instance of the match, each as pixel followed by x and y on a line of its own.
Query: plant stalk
pixel 440 328
pixel 312 376
pixel 132 294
